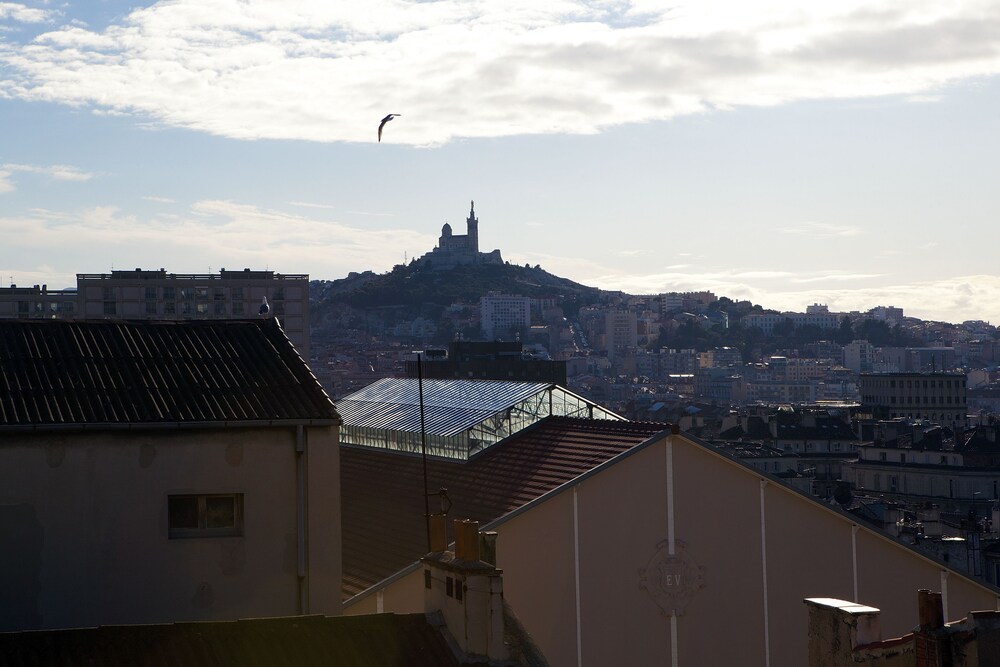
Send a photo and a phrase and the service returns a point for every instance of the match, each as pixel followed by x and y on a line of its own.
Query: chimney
pixel 930 638
pixel 467 592
pixel 930 610
pixel 439 532
pixel 837 627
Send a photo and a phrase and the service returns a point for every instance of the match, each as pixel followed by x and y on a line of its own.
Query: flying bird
pixel 384 121
pixel 264 308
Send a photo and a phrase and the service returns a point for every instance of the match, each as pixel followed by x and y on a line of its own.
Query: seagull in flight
pixel 384 121
pixel 264 308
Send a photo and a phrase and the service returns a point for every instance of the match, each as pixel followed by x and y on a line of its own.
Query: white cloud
pixel 15 11
pixel 210 233
pixel 160 200
pixel 837 277
pixel 822 230
pixel 950 299
pixel 327 71
pixel 310 205
pixel 58 172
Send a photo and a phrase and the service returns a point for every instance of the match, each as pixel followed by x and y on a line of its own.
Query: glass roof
pixel 450 406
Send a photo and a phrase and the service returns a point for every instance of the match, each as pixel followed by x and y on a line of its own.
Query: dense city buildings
pixel 487 360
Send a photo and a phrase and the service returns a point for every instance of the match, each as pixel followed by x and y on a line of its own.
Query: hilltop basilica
pixel 455 249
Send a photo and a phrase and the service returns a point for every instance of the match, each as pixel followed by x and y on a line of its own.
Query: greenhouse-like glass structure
pixel 461 417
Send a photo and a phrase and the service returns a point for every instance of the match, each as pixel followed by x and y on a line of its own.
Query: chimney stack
pixel 837 628
pixel 466 591
pixel 466 540
pixel 439 532
pixel 930 610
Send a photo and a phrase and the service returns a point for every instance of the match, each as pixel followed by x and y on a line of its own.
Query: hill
pixel 413 286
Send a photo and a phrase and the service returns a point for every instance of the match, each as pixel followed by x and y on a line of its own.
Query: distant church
pixel 454 249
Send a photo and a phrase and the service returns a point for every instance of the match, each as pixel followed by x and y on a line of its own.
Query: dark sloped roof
pixel 383 495
pixel 60 372
pixel 382 640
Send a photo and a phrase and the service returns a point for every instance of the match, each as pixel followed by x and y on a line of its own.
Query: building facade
pixel 633 563
pixel 501 314
pixel 621 333
pixel 153 472
pixel 938 397
pixel 159 295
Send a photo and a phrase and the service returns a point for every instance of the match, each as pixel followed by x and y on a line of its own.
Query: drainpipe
pixel 300 516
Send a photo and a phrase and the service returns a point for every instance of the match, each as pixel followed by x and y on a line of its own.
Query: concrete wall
pixel 83 526
pixel 677 541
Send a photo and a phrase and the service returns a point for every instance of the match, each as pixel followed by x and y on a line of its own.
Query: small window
pixel 150 294
pixel 110 308
pixel 151 308
pixel 208 515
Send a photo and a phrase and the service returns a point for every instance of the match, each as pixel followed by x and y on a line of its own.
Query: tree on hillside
pixel 845 332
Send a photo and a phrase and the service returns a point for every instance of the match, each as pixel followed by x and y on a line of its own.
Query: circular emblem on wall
pixel 671 579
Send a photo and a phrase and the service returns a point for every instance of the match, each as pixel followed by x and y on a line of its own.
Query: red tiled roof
pixel 383 521
pixel 64 372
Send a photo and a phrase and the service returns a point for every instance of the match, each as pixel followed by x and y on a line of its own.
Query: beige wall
pixel 83 526
pixel 748 609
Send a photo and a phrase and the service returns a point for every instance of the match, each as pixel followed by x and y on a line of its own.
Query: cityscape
pixel 888 418
pixel 638 325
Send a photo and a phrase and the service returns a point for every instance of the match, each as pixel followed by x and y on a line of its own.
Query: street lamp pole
pixel 423 447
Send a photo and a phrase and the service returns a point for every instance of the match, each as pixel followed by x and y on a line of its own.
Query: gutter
pixel 168 426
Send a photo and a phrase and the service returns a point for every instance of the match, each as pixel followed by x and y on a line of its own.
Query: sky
pixel 788 153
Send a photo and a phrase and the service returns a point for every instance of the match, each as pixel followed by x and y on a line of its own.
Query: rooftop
pixel 141 373
pixel 460 417
pixel 383 494
pixel 387 640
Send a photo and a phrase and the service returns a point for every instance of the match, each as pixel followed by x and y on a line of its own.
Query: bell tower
pixel 473 225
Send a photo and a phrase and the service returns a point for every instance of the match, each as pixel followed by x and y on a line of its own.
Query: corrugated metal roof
pixel 382 491
pixel 450 406
pixel 385 640
pixel 65 372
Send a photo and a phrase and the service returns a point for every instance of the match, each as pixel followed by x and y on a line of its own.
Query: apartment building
pixel 938 397
pixel 859 356
pixel 37 302
pixel 157 294
pixel 766 322
pixel 502 313
pixel 621 333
